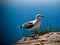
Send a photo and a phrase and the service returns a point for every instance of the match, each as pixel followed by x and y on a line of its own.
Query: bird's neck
pixel 38 19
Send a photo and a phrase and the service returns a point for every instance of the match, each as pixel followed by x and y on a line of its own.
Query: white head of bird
pixel 38 16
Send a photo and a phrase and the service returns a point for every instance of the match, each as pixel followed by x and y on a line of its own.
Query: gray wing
pixel 27 25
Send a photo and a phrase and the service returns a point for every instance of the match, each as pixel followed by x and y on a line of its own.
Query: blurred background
pixel 17 12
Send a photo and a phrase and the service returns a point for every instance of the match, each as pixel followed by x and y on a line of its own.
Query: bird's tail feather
pixel 20 26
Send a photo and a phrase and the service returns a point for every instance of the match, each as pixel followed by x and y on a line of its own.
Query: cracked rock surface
pixel 52 38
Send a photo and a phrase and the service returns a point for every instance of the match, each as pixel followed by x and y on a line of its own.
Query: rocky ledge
pixel 52 38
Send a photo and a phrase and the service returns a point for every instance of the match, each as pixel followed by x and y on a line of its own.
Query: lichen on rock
pixel 52 38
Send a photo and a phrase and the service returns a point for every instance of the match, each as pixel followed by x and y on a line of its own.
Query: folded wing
pixel 27 25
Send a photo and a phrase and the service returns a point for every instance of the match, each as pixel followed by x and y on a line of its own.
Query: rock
pixel 52 38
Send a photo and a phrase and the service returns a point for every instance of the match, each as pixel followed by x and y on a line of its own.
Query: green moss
pixel 46 29
pixel 41 32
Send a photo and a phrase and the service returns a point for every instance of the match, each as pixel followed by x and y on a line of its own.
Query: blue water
pixel 15 13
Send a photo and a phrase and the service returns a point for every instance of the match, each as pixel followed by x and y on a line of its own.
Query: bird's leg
pixel 35 32
pixel 31 32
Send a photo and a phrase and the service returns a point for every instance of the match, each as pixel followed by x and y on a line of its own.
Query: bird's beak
pixel 42 16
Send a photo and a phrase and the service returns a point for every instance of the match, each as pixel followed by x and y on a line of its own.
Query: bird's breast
pixel 35 26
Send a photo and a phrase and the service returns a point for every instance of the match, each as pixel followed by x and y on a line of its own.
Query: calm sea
pixel 15 13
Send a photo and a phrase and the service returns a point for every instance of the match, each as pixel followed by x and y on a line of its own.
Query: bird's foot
pixel 35 36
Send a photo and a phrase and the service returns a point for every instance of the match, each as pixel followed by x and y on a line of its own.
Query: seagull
pixel 33 25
